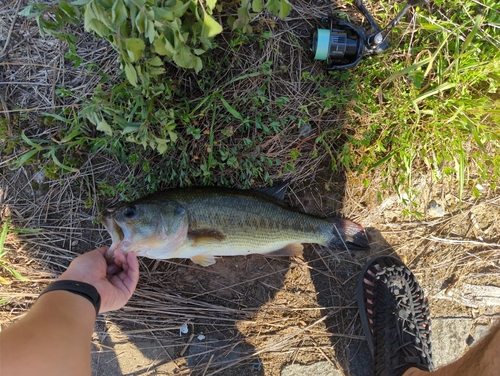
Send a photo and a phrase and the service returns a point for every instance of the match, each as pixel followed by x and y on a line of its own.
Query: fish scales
pixel 200 223
pixel 243 216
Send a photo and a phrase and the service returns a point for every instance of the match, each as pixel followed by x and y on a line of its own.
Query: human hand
pixel 115 283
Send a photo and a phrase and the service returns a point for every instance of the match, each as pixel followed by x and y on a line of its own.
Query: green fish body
pixel 201 223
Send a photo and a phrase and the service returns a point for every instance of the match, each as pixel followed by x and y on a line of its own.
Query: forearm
pixel 52 339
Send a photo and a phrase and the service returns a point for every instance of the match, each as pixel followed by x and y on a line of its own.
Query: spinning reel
pixel 343 45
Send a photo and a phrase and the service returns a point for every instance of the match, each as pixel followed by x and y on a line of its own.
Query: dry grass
pixel 268 310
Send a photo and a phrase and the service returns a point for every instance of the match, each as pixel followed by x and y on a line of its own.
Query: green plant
pixel 140 31
pixel 150 112
pixel 4 262
pixel 440 111
pixel 145 32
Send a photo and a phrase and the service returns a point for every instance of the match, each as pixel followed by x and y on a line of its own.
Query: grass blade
pixel 435 91
pixel 3 236
pixel 231 109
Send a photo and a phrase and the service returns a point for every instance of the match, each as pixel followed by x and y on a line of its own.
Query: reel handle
pixel 378 37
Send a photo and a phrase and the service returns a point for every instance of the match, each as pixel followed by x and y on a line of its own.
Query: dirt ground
pixel 244 315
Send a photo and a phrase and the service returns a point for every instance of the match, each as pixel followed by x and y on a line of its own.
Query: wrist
pixel 65 309
pixel 83 289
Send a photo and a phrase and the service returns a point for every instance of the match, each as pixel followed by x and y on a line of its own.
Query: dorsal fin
pixel 277 191
pixel 206 234
pixel 205 259
pixel 294 249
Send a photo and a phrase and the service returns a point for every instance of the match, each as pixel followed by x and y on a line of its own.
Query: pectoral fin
pixel 205 259
pixel 206 235
pixel 294 249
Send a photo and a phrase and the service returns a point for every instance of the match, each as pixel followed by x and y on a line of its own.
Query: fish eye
pixel 129 211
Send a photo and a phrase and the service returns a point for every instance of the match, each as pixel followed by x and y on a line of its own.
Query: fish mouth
pixel 119 235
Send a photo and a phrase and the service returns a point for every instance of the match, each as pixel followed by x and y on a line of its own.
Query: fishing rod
pixel 342 45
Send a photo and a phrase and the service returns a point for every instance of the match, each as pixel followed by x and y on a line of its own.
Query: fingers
pixel 101 250
pixel 119 257
pixel 112 269
pixel 125 274
pixel 132 271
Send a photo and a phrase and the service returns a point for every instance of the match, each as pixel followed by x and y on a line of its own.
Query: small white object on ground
pixel 184 329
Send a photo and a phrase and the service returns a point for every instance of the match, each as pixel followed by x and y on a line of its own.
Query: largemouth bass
pixel 201 223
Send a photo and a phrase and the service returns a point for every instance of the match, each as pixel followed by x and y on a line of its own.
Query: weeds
pixel 440 111
pixel 5 264
pixel 431 104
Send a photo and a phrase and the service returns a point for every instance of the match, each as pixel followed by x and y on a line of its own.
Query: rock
pixel 323 368
pixel 449 339
pixel 434 209
pixel 480 331
pixel 473 296
pixel 39 177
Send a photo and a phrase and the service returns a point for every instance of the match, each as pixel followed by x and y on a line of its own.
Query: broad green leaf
pixel 161 145
pixel 279 7
pixel 184 58
pixel 150 31
pixel 206 43
pixel 199 65
pixel 26 12
pixel 118 12
pixel 130 129
pixel 156 71
pixel 210 4
pixel 101 13
pixel 173 136
pixel 135 48
pixel 131 74
pixel 139 3
pixel 285 8
pixel 180 8
pixel 163 47
pixel 211 28
pixel 75 132
pixel 71 11
pixel 33 10
pixel 88 16
pixel 99 28
pixel 243 15
pixel 257 6
pixel 132 12
pixel 155 62
pixel 164 14
pixel 140 22
pixel 103 126
pixel 198 51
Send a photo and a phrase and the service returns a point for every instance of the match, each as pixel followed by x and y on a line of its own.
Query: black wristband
pixel 86 290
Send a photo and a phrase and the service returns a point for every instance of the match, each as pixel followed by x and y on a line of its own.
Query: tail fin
pixel 348 234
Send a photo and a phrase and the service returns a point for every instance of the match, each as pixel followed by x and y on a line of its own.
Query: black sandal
pixel 395 317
